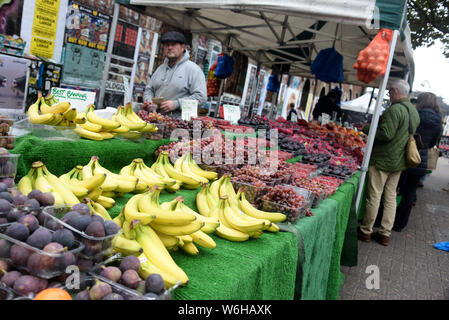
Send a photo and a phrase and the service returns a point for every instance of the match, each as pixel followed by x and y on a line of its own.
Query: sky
pixel 431 71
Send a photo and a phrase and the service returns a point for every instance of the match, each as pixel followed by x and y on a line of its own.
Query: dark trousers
pixel 408 192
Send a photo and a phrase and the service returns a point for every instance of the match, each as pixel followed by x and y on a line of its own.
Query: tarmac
pixel 410 268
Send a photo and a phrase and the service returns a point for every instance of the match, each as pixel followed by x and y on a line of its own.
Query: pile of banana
pixel 151 230
pixel 186 172
pixel 239 220
pixel 47 110
pixel 125 123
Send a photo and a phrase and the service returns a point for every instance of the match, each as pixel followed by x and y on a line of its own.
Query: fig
pixel 48 261
pixel 6 196
pixel 84 264
pixel 82 295
pixel 19 255
pixel 68 259
pixel 69 215
pixel 32 205
pixel 42 284
pixel 34 264
pixel 9 182
pixel 14 215
pixel 3 220
pixel 11 277
pixel 80 222
pixel 3 187
pixel 110 227
pixel 130 263
pixel 40 238
pixel 27 285
pixel 154 283
pixel 111 273
pixel 141 287
pixel 92 247
pixel 8 169
pixel 46 199
pixel 95 229
pixel 96 217
pixel 14 193
pixel 34 194
pixel 5 247
pixel 30 222
pixel 40 217
pixel 3 268
pixel 99 290
pixel 19 200
pixel 64 237
pixel 5 206
pixel 82 208
pixel 113 296
pixel 130 278
pixel 18 231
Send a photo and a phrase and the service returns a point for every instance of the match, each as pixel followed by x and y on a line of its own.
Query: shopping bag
pixel 225 66
pixel 432 158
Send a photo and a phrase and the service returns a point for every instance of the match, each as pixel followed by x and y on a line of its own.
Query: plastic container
pixel 115 261
pixel 5 292
pixel 158 135
pixel 55 263
pixel 7 142
pixel 45 132
pixel 252 192
pixel 8 165
pixel 104 244
pixel 293 214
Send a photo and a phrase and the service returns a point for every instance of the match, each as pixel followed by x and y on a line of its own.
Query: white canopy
pixel 360 104
pixel 292 32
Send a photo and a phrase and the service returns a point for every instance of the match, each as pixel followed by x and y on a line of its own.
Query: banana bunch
pixel 146 175
pixel 40 178
pixel 47 110
pixel 151 230
pixel 186 174
pixel 239 220
pixel 126 116
pixel 98 128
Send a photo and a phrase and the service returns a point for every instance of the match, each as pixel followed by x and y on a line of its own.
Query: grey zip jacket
pixel 185 80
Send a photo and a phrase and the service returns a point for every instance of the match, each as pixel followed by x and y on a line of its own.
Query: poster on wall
pixel 263 93
pixel 249 83
pixel 83 66
pixel 87 27
pixel 43 76
pixel 13 78
pixel 10 17
pixel 291 100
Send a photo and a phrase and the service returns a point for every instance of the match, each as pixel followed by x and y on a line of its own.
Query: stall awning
pixel 292 32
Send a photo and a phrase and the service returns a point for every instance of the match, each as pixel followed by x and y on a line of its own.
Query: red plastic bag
pixel 372 61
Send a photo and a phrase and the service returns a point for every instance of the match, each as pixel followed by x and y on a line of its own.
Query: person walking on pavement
pixel 177 78
pixel 429 128
pixel 387 161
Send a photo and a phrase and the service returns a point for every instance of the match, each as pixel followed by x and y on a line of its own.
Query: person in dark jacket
pixel 326 104
pixel 430 130
pixel 291 112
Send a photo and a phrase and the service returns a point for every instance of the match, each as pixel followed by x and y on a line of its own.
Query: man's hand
pixel 167 106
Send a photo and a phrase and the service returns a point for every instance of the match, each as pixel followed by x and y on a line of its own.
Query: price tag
pixel 231 113
pixel 325 118
pixel 78 99
pixel 189 109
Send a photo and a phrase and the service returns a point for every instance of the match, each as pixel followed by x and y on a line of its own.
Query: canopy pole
pixel 107 63
pixel 375 121
pixel 370 100
pixel 227 50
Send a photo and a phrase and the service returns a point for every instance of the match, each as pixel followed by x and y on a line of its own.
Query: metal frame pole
pixel 108 54
pixel 375 120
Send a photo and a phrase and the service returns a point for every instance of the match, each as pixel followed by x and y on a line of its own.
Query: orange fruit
pixel 53 294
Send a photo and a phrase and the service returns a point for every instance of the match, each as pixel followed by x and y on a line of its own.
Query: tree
pixel 429 21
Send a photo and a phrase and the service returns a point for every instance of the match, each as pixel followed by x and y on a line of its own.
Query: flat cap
pixel 173 36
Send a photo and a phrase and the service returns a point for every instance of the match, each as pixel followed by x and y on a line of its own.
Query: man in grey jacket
pixel 177 78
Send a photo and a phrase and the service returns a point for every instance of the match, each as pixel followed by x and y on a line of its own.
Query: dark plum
pixel 65 237
pixel 82 208
pixel 30 221
pixel 18 231
pixel 42 284
pixel 154 283
pixel 40 238
pixel 130 278
pixel 130 263
pixel 110 227
pixel 111 273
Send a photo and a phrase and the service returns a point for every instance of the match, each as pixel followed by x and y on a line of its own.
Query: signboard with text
pixel 78 99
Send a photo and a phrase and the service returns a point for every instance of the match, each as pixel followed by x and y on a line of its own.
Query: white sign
pixel 325 118
pixel 231 113
pixel 303 115
pixel 127 96
pixel 78 99
pixel 189 109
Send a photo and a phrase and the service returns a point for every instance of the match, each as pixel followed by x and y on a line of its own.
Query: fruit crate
pixel 35 261
pixel 115 261
pixel 293 214
pixel 96 248
pixel 5 292
pixel 43 131
pixel 8 165
pixel 252 192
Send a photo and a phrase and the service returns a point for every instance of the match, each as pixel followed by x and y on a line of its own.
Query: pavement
pixel 410 268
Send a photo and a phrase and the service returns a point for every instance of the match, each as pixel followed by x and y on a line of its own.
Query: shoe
pixel 363 236
pixel 420 185
pixel 383 240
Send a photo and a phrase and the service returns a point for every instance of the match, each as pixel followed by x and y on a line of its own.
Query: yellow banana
pixel 42 184
pixel 238 223
pixel 105 123
pixel 91 126
pixel 178 175
pixel 119 219
pixel 131 211
pixel 186 169
pixel 106 135
pixel 158 255
pixel 224 230
pixel 131 115
pixel 110 194
pixel 121 129
pixel 147 268
pixel 190 248
pixel 247 208
pixel 201 202
pixel 101 210
pixel 80 118
pixel 210 175
pixel 70 114
pixel 215 187
pixel 58 108
pixel 35 117
pixel 273 228
pixel 25 184
pixel 124 121
pixel 57 119
pixel 178 230
pixel 202 239
pixel 93 182
pixel 148 180
pixel 88 134
pixel 105 201
pixel 126 246
pixel 169 241
pixel 210 223
pixel 60 187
